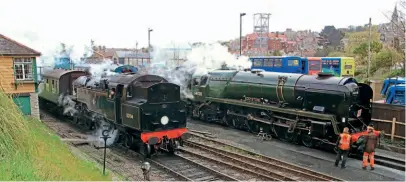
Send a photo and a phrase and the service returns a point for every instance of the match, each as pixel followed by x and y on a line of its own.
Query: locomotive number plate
pixel 130 116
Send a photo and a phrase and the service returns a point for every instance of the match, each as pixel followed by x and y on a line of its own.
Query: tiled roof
pixel 11 47
pixel 253 36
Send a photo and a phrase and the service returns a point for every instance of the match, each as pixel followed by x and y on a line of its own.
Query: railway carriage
pixel 146 109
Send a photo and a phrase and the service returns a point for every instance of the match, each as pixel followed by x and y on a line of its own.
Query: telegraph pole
pixel 241 15
pixel 149 39
pixel 369 49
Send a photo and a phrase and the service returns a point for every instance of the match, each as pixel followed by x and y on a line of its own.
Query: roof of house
pixel 132 54
pixel 253 36
pixel 11 47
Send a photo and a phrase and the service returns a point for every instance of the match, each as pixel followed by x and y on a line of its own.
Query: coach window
pixel 268 62
pixel 293 62
pixel 53 86
pixel 278 63
pixel 258 62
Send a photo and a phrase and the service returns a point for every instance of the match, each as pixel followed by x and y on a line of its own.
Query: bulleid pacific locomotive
pixel 145 109
pixel 307 109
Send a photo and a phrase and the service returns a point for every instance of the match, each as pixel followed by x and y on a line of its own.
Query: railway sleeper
pixel 262 176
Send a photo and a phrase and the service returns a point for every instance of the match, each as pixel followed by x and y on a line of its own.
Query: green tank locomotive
pixel 145 109
pixel 307 109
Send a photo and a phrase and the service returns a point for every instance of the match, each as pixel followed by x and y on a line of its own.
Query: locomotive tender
pixel 146 109
pixel 307 109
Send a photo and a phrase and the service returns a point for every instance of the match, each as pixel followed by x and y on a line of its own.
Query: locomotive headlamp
pixel 164 120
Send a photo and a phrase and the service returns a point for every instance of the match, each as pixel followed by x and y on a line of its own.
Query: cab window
pixel 195 82
pixel 129 92
pixel 204 80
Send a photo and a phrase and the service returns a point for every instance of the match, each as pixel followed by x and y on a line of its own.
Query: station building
pixel 18 74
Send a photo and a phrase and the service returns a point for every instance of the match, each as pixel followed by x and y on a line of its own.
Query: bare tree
pixel 397 23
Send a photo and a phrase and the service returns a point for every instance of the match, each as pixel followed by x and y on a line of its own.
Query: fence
pixel 389 118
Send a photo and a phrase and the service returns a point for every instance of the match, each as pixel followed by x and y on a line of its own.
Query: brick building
pixel 18 76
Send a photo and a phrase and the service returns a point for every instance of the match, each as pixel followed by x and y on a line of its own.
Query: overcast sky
pixel 119 23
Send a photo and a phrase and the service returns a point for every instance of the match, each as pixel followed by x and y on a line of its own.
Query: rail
pixel 276 171
pixel 187 169
pixel 268 160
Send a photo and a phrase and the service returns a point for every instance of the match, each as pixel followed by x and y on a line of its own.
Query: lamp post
pixel 241 15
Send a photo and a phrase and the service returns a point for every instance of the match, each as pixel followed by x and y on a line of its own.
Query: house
pixel 18 76
pixel 135 58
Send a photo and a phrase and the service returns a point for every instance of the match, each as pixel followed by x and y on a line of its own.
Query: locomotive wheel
pixel 226 120
pixel 145 150
pixel 307 140
pixel 253 126
pixel 87 124
pixel 128 141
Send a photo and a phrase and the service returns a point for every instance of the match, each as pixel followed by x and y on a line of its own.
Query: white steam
pixel 200 60
pixel 97 137
pixel 68 105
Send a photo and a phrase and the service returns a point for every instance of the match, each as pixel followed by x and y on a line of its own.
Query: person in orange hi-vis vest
pixel 371 140
pixel 343 147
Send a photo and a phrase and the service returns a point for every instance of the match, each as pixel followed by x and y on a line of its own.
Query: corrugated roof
pixel 11 47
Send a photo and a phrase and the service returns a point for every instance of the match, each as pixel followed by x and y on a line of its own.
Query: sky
pixel 42 24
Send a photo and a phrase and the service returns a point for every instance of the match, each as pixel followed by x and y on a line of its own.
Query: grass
pixel 30 151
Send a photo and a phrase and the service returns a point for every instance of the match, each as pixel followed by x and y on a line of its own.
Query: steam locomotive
pixel 145 109
pixel 307 109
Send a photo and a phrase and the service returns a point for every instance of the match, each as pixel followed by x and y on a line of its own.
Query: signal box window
pixel 278 63
pixel 23 68
pixel 258 62
pixel 268 62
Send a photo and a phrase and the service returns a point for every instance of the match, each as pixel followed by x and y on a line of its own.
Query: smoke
pixel 200 60
pixel 68 105
pixel 97 136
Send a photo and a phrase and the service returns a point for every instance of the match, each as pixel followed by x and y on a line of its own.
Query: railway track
pixel 280 171
pixel 188 169
pixel 390 162
pixel 120 160
pixel 186 166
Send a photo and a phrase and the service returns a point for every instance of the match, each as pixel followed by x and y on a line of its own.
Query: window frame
pixel 23 62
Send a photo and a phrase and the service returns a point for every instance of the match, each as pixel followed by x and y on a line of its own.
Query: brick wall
pixel 34 105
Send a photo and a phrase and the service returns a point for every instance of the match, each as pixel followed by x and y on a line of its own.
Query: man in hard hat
pixel 371 140
pixel 343 147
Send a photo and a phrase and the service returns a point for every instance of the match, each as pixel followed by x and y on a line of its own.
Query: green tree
pixel 276 53
pixel 362 49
